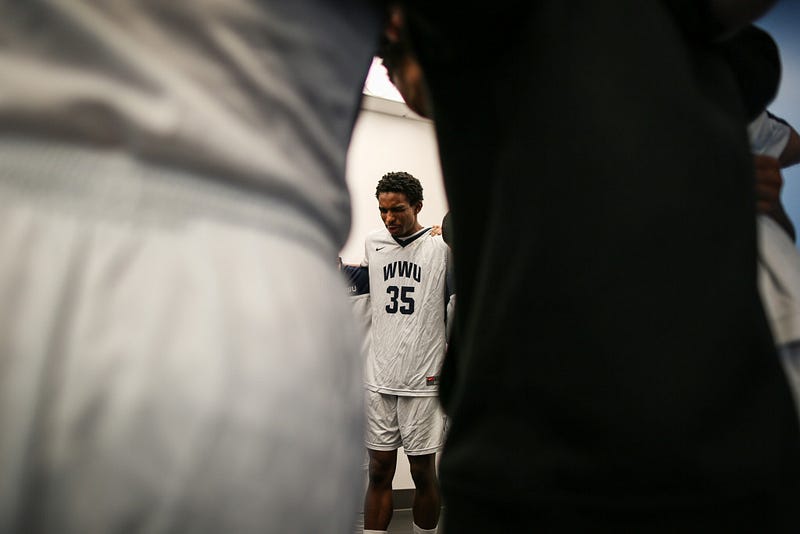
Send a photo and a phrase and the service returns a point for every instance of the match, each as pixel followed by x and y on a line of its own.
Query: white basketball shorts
pixel 415 423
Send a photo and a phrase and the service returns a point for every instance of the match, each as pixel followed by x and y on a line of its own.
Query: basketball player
pixel 176 354
pixel 357 287
pixel 407 279
pixel 776 144
pixel 773 137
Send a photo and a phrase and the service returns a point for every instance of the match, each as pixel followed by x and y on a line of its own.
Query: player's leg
pixel 427 500
pixel 378 505
pixel 382 438
pixel 422 425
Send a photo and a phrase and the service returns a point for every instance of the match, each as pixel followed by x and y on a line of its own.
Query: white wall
pixel 390 137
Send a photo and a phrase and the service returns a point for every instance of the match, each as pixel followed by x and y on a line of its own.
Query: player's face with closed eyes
pixel 399 217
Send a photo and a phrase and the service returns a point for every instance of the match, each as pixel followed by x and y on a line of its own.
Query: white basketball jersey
pixel 408 295
pixel 768 135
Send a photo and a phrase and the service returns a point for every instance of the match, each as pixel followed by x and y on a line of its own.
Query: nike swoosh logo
pixel 380 248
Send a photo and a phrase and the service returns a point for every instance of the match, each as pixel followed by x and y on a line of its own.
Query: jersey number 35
pixel 400 299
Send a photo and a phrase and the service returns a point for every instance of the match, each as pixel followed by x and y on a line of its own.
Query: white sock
pixel 375 532
pixel 419 530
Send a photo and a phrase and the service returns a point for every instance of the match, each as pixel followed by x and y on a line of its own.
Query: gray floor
pixel 401 522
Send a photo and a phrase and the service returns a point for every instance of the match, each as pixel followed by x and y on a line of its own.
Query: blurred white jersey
pixel 408 290
pixel 228 88
pixel 176 354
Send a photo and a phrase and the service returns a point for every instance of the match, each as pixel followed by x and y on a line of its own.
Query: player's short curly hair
pixel 400 182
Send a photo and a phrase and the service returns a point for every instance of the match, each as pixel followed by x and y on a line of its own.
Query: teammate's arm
pixel 769 182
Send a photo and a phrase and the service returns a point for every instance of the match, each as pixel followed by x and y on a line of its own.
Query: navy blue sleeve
pixel 357 279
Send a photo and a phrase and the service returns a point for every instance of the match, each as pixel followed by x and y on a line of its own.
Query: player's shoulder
pixel 439 240
pixel 379 235
pixel 435 240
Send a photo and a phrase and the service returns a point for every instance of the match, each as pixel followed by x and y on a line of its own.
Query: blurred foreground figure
pixel 611 367
pixel 176 354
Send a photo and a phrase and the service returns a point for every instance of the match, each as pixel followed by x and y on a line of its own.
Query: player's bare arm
pixel 769 182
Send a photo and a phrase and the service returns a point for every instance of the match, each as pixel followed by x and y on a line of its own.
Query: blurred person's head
pixel 402 66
